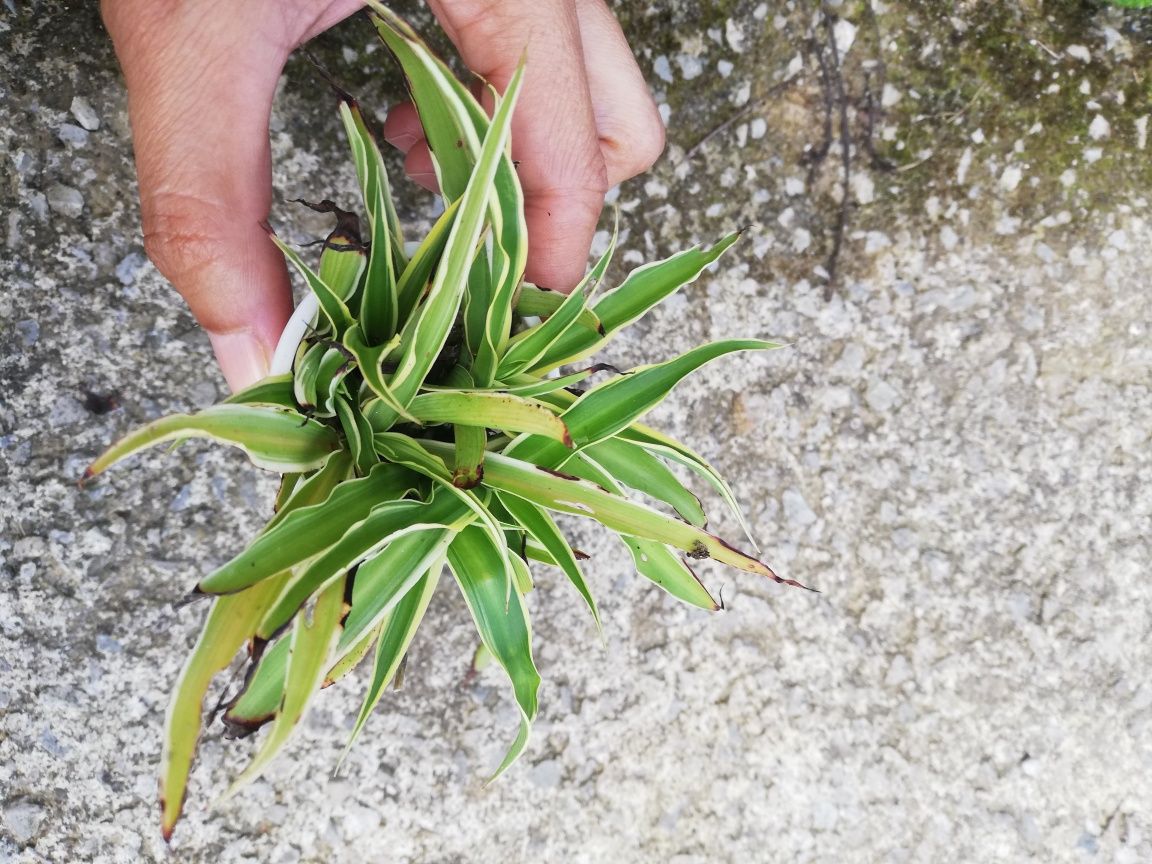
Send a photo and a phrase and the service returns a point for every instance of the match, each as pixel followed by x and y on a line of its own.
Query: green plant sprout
pixel 428 419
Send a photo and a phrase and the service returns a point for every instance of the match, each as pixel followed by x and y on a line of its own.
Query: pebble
pixel 1100 128
pixel 73 136
pixel 690 67
pixel 796 509
pixel 1079 52
pixel 129 268
pixel 1011 178
pixel 29 330
pixel 65 200
pixel 881 396
pixel 662 68
pixel 85 114
pixel 23 820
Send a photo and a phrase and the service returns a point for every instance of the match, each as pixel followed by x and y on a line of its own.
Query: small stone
pixel 1100 128
pixel 796 509
pixel 889 96
pixel 65 200
pixel 1093 154
pixel 1079 52
pixel 851 361
pixel 881 396
pixel 29 330
pixel 963 165
pixel 73 136
pixel 758 127
pixel 23 820
pixel 801 239
pixel 898 672
pixel 863 188
pixel 662 68
pixel 690 66
pixel 1011 178
pixel 724 67
pixel 844 32
pixel 84 113
pixel 129 268
pixel 734 33
pixel 546 774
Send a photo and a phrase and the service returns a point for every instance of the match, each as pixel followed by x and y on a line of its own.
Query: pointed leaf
pixel 229 625
pixel 481 571
pixel 644 288
pixel 274 439
pixel 313 637
pixel 308 531
pixel 491 410
pixel 609 407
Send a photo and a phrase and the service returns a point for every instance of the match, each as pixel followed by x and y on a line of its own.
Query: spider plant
pixel 431 417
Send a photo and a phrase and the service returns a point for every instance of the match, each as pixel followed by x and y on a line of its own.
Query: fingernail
pixel 241 356
pixel 402 142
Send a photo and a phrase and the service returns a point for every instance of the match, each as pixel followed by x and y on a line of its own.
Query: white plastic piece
pixel 293 334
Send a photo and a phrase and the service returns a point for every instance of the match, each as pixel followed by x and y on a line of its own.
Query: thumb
pixel 554 133
pixel 200 95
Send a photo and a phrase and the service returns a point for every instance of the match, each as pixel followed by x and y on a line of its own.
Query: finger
pixel 554 131
pixel 402 127
pixel 403 131
pixel 628 125
pixel 201 78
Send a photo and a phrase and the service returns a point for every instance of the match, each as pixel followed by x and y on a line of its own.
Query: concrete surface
pixel 955 450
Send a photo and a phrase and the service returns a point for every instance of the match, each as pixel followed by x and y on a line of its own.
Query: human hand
pixel 201 77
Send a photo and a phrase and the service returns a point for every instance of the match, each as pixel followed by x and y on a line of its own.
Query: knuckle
pixel 635 148
pixel 180 237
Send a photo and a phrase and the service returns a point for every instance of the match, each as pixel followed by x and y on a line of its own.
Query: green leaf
pixel 369 361
pixel 278 440
pixel 431 323
pixel 635 467
pixel 378 307
pixel 308 531
pixel 357 435
pixel 396 632
pixel 644 288
pixel 541 526
pixel 414 278
pixel 274 390
pixel 529 386
pixel 532 301
pixel 566 494
pixel 654 561
pixel 263 690
pixel 313 637
pixel 405 451
pixel 529 346
pixel 230 623
pixel 386 524
pixel 343 259
pixel 609 407
pixel 331 304
pixel 442 102
pixel 491 410
pixel 481 571
pixel 382 581
pixel 468 469
pixel 313 488
pixel 669 448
